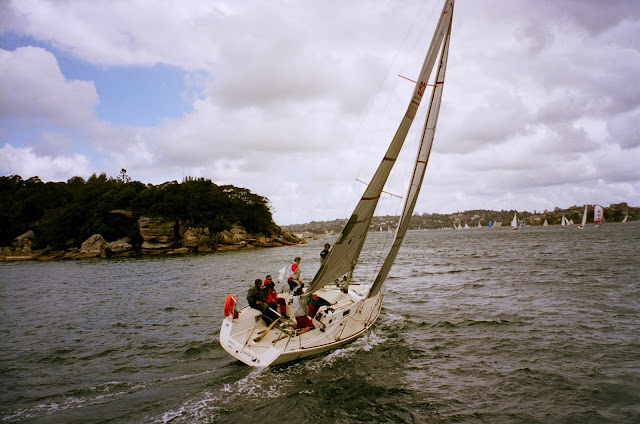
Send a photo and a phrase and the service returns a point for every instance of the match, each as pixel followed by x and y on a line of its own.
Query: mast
pixel 343 257
pixel 420 166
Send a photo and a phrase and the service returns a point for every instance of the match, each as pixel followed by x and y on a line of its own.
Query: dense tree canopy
pixel 65 214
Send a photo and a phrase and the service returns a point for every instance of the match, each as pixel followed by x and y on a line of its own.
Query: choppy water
pixel 487 326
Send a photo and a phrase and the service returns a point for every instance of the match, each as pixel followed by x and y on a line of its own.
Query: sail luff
pixel 344 255
pixel 420 166
pixel 584 216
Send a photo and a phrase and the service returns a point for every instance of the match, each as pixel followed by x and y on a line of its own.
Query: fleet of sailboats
pixel 353 305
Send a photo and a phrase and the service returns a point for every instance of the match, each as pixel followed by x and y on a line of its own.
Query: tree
pixel 123 177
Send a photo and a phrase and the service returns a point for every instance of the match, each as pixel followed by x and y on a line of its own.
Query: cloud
pixel 26 163
pixel 34 91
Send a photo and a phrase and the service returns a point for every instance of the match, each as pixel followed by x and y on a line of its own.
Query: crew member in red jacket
pixel 294 275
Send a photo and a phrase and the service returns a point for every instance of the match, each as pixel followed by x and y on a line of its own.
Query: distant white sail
pixel 514 222
pixel 584 218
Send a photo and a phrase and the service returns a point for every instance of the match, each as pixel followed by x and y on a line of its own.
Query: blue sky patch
pixel 129 95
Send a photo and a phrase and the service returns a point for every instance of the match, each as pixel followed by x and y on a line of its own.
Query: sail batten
pixel 344 254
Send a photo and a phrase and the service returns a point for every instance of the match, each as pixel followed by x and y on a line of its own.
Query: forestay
pixel 343 257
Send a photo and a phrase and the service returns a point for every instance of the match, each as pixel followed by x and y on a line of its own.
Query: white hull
pixel 349 317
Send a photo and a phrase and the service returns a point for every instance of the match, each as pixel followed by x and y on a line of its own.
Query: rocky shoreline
pixel 159 237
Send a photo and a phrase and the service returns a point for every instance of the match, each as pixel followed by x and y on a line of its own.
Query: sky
pixel 297 101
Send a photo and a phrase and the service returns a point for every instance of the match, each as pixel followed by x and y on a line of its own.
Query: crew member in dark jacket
pixel 257 300
pixel 256 296
pixel 325 252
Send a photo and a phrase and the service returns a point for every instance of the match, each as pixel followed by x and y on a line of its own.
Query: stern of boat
pixel 236 337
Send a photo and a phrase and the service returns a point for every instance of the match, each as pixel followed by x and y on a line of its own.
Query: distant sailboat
pixel 545 223
pixel 625 218
pixel 514 221
pixel 598 215
pixel 584 218
pixel 466 226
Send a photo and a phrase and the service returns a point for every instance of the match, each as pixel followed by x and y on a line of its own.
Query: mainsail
pixel 584 216
pixel 426 141
pixel 343 257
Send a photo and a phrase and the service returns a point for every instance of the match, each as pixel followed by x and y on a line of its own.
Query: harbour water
pixel 540 325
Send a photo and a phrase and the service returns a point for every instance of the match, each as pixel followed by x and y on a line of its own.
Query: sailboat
pixel 584 218
pixel 563 223
pixel 545 223
pixel 514 221
pixel 354 305
pixel 598 215
pixel 625 218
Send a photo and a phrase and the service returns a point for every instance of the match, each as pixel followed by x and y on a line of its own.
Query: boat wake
pixel 263 386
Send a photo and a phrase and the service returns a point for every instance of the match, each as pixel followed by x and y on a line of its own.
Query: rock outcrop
pixel 197 239
pixel 93 247
pixel 158 237
pixel 120 247
pixel 23 243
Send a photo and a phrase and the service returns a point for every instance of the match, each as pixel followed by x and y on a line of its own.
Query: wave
pixel 470 323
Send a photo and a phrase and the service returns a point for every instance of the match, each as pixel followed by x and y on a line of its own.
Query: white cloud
pixel 34 91
pixel 26 163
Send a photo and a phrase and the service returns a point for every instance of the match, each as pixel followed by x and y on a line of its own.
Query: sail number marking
pixel 413 106
pixel 421 88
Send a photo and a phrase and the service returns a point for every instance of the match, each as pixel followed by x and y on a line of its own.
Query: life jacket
pixel 272 296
